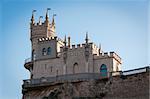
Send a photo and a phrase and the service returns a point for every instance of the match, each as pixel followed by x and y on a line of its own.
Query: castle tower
pixel 40 30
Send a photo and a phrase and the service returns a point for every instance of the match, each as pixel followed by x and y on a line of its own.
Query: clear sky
pixel 119 25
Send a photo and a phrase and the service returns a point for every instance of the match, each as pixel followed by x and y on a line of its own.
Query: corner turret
pixel 47 22
pixel 53 21
pixel 32 19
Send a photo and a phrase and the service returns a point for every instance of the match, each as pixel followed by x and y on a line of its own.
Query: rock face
pixel 135 86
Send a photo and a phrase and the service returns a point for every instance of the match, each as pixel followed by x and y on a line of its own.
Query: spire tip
pixel 86 39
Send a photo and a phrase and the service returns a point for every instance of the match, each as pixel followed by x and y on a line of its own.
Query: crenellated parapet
pixel 39 25
pixel 46 21
pixel 108 55
pixel 78 47
pixel 42 28
pixel 45 39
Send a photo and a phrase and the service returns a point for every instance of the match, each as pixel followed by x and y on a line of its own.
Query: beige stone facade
pixel 64 58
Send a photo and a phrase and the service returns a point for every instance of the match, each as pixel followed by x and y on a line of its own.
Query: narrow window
pixel 43 51
pixel 33 54
pixel 57 72
pixel 49 51
pixel 103 70
pixel 51 68
pixel 75 68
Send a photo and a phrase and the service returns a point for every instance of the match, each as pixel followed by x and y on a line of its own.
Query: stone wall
pixel 130 87
pixel 135 86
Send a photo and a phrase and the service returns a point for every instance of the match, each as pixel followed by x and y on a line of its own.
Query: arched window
pixel 43 51
pixel 75 68
pixel 57 72
pixel 49 51
pixel 103 70
pixel 51 68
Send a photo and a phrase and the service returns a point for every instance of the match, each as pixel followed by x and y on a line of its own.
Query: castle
pixel 55 64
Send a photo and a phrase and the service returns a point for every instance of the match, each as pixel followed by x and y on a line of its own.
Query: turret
pixel 40 30
pixel 47 18
pixel 69 43
pixel 53 25
pixel 32 18
pixel 86 39
pixel 53 21
pixel 65 41
pixel 40 20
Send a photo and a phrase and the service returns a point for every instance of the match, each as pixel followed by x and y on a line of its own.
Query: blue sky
pixel 119 25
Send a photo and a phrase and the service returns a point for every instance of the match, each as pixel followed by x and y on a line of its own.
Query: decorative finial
pixel 40 19
pixel 53 21
pixel 47 14
pixel 65 41
pixel 100 48
pixel 32 19
pixel 69 41
pixel 86 39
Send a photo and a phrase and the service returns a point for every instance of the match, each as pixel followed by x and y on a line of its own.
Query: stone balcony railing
pixel 28 63
pixel 61 79
pixel 28 60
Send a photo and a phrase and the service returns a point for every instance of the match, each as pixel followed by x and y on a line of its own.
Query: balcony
pixel 28 63
pixel 47 81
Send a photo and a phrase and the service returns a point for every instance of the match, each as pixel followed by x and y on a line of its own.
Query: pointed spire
pixel 65 42
pixel 46 18
pixel 100 48
pixel 86 39
pixel 32 18
pixel 69 41
pixel 53 20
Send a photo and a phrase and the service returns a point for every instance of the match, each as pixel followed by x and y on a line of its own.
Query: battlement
pixel 108 55
pixel 49 39
pixel 77 46
pixel 38 25
pixel 80 46
pixel 40 22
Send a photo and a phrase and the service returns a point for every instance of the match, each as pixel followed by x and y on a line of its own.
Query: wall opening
pixel 43 51
pixel 33 55
pixel 48 50
pixel 103 70
pixel 75 68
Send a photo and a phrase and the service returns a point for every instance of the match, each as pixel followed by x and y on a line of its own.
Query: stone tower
pixel 41 30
